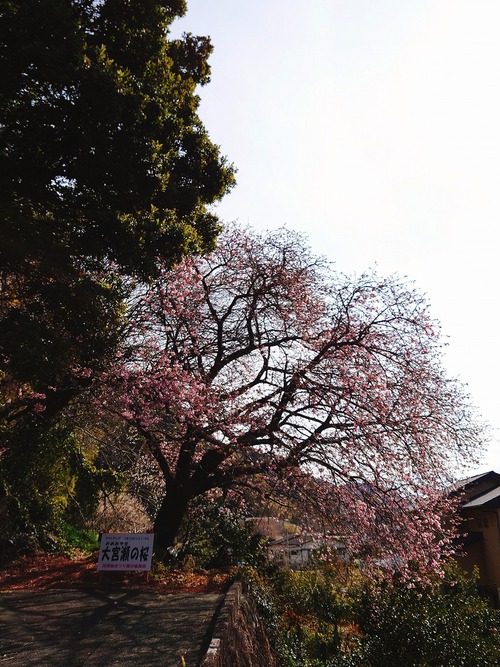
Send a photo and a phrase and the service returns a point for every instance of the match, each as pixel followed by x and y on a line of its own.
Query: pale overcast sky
pixel 373 126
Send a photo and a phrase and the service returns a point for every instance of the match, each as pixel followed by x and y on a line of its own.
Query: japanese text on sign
pixel 125 551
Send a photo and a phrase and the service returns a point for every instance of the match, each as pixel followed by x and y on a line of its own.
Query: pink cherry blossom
pixel 260 365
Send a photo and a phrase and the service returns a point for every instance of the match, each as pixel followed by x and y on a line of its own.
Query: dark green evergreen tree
pixel 105 170
pixel 105 167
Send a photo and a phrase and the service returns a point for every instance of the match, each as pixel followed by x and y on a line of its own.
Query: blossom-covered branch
pixel 260 361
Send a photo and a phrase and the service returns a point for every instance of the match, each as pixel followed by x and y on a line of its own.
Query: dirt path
pixel 94 628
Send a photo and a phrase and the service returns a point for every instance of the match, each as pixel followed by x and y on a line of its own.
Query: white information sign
pixel 125 551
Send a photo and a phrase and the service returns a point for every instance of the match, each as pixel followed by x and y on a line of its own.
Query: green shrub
pixel 45 481
pixel 408 624
pixel 215 534
pixel 311 610
pixel 72 537
pixel 311 592
pixel 317 621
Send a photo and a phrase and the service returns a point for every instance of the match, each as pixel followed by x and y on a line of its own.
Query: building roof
pixel 491 476
pixel 474 488
pixel 487 500
pixel 305 541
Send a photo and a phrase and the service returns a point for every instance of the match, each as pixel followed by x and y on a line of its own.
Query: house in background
pixel 480 510
pixel 296 551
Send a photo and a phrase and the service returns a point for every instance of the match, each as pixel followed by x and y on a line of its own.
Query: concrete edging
pixel 226 617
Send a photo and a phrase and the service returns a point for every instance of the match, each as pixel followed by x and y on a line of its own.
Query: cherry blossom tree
pixel 260 365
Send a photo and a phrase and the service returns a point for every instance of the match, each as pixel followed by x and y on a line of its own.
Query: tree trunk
pixel 182 488
pixel 169 518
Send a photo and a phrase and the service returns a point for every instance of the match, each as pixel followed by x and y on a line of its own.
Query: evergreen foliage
pixel 215 534
pixel 105 170
pixel 318 619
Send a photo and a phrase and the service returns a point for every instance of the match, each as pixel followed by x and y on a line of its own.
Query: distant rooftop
pixel 462 483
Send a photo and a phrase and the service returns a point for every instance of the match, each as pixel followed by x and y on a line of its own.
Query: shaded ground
pixel 54 611
pixel 93 628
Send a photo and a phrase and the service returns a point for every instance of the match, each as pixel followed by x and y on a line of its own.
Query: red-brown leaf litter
pixel 43 571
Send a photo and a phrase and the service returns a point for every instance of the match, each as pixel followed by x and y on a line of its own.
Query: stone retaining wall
pixel 239 638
